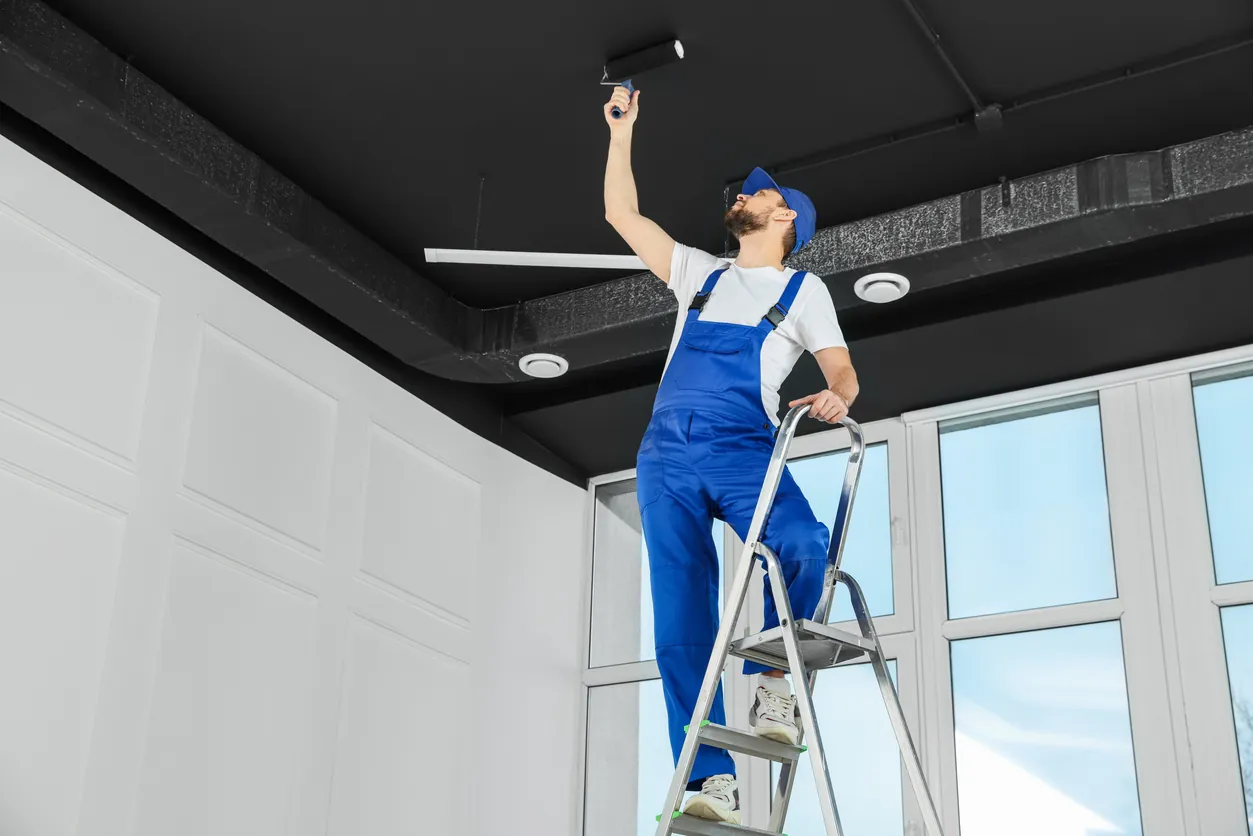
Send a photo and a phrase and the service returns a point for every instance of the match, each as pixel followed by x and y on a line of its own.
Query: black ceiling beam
pixel 63 80
pixel 1083 273
pixel 994 231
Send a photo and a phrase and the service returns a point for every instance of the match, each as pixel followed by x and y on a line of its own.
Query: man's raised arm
pixel 648 240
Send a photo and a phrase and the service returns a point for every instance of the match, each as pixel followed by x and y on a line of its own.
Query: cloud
pixel 997 796
pixel 980 723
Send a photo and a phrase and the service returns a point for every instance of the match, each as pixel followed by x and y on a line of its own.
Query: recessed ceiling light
pixel 881 287
pixel 543 365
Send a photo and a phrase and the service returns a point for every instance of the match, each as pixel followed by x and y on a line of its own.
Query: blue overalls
pixel 704 456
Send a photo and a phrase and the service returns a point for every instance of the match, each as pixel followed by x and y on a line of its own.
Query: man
pixel 741 328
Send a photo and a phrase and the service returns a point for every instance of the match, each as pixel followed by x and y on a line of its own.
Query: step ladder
pixel 802 648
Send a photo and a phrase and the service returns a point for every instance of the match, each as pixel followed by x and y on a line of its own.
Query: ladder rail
pixel 843 517
pixel 835 555
pixel 804 700
pixel 735 602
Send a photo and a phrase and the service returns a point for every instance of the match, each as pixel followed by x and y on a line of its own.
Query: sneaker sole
pixel 779 734
pixel 702 809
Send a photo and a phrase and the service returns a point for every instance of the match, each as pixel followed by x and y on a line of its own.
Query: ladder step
pixel 821 646
pixel 750 744
pixel 693 826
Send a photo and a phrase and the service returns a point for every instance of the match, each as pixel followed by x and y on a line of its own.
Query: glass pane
pixel 1222 410
pixel 628 758
pixel 629 765
pixel 1238 637
pixel 1044 734
pixel 1026 519
pixel 863 757
pixel 868 553
pixel 622 601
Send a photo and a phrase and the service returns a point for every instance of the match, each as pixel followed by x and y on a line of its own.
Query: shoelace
pixel 775 706
pixel 719 785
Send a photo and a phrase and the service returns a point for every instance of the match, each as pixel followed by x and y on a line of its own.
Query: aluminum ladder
pixel 802 648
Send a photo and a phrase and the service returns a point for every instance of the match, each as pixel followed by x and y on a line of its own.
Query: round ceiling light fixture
pixel 543 365
pixel 881 287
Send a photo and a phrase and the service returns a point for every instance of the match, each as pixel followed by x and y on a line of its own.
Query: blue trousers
pixel 694 467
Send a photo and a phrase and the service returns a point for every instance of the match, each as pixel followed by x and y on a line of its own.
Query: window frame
pixel 1135 606
pixel 1168 603
pixel 1018 412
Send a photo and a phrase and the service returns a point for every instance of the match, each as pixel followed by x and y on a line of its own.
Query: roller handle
pixel 617 112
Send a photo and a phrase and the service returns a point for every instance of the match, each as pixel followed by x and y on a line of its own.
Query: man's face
pixel 752 212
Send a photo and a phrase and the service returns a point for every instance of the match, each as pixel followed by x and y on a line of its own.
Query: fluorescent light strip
pixel 522 259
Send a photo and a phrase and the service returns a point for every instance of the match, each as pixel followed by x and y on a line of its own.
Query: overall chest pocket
pixel 714 343
pixel 715 362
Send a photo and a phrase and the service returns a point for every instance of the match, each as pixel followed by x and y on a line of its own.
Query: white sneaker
pixel 718 799
pixel 774 714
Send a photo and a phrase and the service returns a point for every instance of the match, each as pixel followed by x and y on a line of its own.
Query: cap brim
pixel 760 180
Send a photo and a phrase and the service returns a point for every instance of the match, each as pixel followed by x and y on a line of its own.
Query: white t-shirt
pixel 743 296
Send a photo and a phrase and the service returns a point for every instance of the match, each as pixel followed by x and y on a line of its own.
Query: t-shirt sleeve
pixel 817 326
pixel 689 267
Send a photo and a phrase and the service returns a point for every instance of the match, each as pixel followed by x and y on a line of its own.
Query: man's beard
pixel 740 223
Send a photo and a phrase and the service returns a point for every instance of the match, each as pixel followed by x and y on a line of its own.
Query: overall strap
pixel 778 313
pixel 699 300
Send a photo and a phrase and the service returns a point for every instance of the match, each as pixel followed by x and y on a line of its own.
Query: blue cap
pixel 806 216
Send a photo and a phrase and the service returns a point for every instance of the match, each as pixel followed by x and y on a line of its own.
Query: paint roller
pixel 627 66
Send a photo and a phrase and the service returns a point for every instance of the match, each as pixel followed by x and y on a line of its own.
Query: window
pixel 622 602
pixel 1222 421
pixel 629 763
pixel 868 552
pixel 1238 637
pixel 1043 733
pixel 1026 517
pixel 862 756
pixel 628 758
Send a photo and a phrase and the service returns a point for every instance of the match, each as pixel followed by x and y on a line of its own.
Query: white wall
pixel 247 585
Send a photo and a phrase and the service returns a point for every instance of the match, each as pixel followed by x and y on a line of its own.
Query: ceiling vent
pixel 543 365
pixel 881 287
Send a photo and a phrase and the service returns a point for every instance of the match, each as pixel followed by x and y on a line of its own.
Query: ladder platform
pixel 747 743
pixel 821 646
pixel 694 826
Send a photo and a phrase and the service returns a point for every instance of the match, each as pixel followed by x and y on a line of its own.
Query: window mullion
pixel 1161 778
pixel 1179 495
pixel 936 741
pixel 902 541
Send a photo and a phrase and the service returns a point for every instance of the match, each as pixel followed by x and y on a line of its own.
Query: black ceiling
pixel 393 117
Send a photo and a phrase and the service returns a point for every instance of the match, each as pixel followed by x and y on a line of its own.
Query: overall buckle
pixel 775 315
